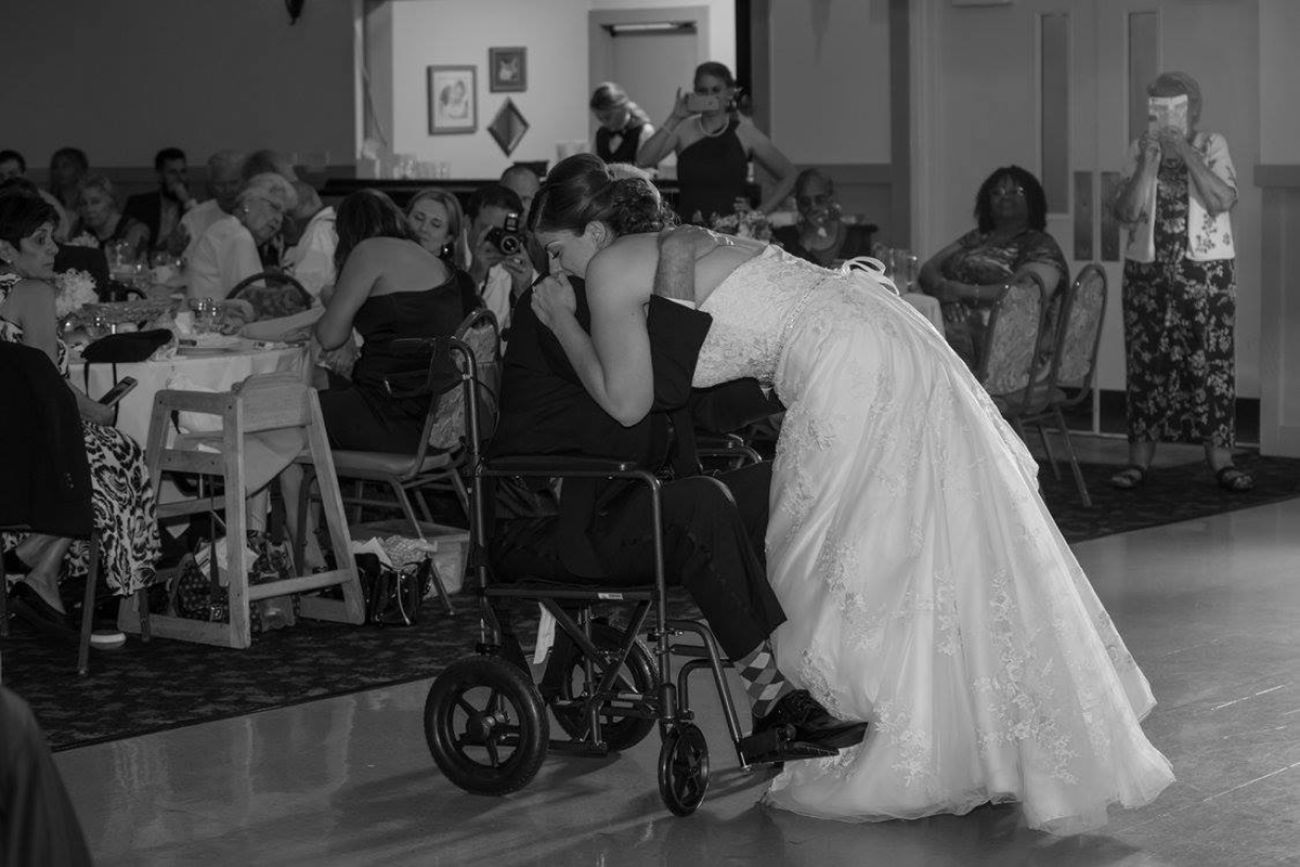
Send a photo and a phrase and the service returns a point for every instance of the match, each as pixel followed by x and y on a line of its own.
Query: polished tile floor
pixel 1210 608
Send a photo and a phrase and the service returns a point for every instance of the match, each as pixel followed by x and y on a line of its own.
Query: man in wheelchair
pixel 599 531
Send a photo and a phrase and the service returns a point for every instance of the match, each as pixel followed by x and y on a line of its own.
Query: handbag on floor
pixel 197 593
pixel 393 596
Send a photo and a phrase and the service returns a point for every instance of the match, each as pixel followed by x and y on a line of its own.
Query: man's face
pixel 524 185
pixel 173 177
pixel 10 169
pixel 490 217
pixel 223 185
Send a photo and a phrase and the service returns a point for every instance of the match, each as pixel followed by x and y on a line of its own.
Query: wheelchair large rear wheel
pixel 637 675
pixel 683 768
pixel 486 725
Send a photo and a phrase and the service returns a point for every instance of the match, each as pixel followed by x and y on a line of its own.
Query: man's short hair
pixel 493 196
pixel 165 156
pixel 6 155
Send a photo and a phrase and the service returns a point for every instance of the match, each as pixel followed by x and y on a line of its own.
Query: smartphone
pixel 702 102
pixel 119 391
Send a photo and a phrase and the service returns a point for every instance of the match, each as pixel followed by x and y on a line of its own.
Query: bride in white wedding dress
pixel 926 586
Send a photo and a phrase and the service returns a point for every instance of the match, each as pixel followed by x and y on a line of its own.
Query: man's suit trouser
pixel 713 538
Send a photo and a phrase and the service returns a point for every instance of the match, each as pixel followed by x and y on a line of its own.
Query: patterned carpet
pixel 145 688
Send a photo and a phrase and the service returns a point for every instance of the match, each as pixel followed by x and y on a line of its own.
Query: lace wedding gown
pixel 927 587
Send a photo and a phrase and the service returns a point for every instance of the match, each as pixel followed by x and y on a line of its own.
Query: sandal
pixel 1232 479
pixel 1129 478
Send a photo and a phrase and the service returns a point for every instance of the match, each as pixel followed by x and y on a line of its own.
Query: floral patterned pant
pixel 1178 322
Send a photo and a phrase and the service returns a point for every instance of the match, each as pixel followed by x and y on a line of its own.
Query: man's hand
pixel 486 255
pixel 553 299
pixel 520 269
pixel 695 241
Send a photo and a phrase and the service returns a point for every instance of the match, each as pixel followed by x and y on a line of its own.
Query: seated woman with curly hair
pixel 969 275
pixel 121 492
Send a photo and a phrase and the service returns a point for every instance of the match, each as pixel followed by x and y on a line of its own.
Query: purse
pixel 126 348
pixel 393 596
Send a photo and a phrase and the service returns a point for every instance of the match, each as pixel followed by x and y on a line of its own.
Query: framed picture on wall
pixel 453 99
pixel 507 70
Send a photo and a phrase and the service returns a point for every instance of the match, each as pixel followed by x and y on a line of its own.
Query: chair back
pixel 1011 340
pixel 446 423
pixel 1078 335
pixel 272 294
pixel 271 401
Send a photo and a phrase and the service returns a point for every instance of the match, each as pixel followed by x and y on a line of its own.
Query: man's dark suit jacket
pixel 545 410
pixel 147 208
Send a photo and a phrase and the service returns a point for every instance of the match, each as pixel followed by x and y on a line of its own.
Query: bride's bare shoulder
pixel 631 258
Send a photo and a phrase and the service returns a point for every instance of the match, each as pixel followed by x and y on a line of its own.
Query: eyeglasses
pixel 1006 192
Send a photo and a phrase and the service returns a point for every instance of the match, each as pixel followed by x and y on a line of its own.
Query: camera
pixel 506 238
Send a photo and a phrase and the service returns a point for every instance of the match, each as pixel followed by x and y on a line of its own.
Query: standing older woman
pixel 1010 238
pixel 623 124
pixel 101 216
pixel 121 492
pixel 227 251
pixel 714 146
pixel 1179 295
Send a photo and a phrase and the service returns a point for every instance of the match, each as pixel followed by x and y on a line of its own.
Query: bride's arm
pixel 613 362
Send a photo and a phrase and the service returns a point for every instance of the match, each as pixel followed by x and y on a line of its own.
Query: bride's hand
pixel 552 298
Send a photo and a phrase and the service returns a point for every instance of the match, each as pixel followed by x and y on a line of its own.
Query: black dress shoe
pixel 29 605
pixel 811 722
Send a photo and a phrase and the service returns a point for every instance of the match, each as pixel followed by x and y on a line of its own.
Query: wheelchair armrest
pixel 563 466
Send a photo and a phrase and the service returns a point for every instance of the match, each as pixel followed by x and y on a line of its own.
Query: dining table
pixel 216 366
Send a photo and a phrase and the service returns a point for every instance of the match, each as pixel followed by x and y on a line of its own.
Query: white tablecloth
pixel 928 305
pixel 208 372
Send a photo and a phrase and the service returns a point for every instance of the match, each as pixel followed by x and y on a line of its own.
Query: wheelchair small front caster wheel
pixel 683 768
pixel 486 725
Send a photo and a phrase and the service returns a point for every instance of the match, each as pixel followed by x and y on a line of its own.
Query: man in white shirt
pixel 501 276
pixel 224 182
pixel 311 259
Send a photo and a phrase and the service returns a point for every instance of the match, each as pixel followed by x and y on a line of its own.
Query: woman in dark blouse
pixel 822 236
pixel 969 275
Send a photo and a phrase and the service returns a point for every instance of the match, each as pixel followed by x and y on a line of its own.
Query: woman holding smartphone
pixel 121 491
pixel 714 144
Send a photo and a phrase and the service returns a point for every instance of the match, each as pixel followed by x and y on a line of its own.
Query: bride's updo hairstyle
pixel 582 190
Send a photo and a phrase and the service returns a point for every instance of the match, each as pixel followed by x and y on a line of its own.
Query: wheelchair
pixel 487 722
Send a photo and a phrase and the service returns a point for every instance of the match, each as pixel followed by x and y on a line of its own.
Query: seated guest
pixel 623 124
pixel 311 259
pixel 161 210
pixel 969 275
pixel 821 236
pixel 500 277
pixel 225 179
pixel 70 257
pixel 104 222
pixel 227 252
pixel 437 222
pixel 389 287
pixel 121 491
pixel 12 164
pixel 38 824
pixel 68 168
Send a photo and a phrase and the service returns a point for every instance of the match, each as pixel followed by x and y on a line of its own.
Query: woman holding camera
pixel 714 144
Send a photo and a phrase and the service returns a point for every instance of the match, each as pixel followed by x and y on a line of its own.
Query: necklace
pixel 726 122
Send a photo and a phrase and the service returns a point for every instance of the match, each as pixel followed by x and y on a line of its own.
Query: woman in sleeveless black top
pixel 714 144
pixel 389 288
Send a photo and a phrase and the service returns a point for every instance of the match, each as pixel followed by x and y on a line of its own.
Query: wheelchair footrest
pixel 778 745
pixel 579 748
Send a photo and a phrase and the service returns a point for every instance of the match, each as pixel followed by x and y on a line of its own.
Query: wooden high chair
pixel 267 402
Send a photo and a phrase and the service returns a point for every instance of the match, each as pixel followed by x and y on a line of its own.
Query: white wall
pixel 459 32
pixel 830 81
pixel 1279 84
pixel 121 79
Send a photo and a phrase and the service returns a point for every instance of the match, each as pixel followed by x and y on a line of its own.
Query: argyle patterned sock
pixel 763 680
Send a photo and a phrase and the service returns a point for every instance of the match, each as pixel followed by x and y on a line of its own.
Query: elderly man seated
pixel 227 251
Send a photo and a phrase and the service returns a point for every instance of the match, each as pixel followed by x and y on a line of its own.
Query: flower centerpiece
pixel 76 289
pixel 744 222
